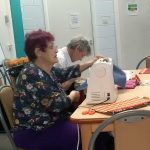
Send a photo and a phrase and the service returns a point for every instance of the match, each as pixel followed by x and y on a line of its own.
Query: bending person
pixel 76 50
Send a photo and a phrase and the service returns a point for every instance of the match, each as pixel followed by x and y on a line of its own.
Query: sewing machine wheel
pixel 100 72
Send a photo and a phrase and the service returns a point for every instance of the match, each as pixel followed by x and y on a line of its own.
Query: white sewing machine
pixel 101 87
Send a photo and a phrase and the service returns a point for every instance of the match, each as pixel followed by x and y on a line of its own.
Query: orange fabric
pixel 15 62
pixel 145 71
pixel 122 105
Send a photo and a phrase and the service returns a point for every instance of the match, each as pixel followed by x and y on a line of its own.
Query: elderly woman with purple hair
pixel 40 105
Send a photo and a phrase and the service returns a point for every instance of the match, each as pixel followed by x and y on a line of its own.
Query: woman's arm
pixel 67 84
pixel 64 74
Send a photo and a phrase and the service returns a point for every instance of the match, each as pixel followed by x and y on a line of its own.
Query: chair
pixel 10 80
pixel 2 77
pixel 12 68
pixel 146 59
pixel 6 98
pixel 131 130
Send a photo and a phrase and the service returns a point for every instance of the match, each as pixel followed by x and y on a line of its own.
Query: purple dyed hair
pixel 36 39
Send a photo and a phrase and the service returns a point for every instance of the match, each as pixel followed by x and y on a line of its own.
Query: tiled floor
pixel 4 142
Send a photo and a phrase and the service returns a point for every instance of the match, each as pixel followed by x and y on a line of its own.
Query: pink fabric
pixel 130 84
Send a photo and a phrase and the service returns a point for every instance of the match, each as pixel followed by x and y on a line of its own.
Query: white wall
pixel 58 14
pixel 134 34
pixel 6 31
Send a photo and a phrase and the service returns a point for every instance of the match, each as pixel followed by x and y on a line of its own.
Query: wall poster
pixel 133 7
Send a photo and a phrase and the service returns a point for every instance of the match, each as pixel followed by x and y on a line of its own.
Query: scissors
pixel 90 111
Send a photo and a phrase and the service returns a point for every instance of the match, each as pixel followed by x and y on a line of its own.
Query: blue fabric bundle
pixel 119 79
pixel 119 76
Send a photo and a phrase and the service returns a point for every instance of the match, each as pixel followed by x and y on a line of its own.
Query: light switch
pixel 6 17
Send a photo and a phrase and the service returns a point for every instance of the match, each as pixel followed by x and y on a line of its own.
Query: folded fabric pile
pixel 122 105
pixel 14 66
pixel 145 71
pixel 132 83
pixel 10 63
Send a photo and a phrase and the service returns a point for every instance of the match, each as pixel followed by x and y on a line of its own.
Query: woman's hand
pixel 74 96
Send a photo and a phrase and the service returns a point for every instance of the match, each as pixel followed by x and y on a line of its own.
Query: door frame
pixel 17 27
pixel 7 33
pixel 45 10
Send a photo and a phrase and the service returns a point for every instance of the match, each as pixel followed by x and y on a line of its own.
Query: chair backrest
pixel 131 130
pixel 2 76
pixel 147 62
pixel 6 99
pixel 6 74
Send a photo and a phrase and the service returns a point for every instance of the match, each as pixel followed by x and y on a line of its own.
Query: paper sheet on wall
pixel 74 20
pixel 133 7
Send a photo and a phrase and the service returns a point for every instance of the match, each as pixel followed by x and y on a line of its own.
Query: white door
pixel 7 46
pixel 32 15
pixel 104 28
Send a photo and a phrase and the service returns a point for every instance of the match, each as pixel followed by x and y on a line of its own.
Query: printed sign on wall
pixel 133 7
pixel 74 20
